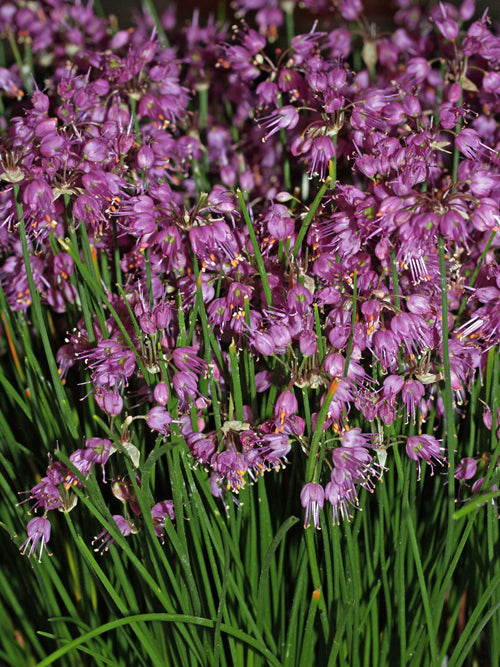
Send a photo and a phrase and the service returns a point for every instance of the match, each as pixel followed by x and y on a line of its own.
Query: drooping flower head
pixel 424 448
pixel 38 530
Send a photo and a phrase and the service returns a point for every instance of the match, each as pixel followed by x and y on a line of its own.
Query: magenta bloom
pixel 469 143
pixel 38 530
pixel 160 512
pixel 161 393
pixel 322 151
pixel 424 448
pixel 286 117
pixel 105 537
pixel 159 419
pixel 312 498
pixel 351 9
pixel 466 469
pixel 340 492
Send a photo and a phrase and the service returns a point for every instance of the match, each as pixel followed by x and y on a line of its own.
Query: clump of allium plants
pixel 249 289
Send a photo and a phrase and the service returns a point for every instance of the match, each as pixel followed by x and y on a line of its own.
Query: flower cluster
pixel 281 211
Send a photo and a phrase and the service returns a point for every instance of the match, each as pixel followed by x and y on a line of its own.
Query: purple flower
pixel 322 151
pixel 285 421
pixel 100 449
pixel 231 467
pixel 312 498
pixel 424 448
pixel 186 359
pixel 354 458
pixel 9 84
pixel 469 143
pixel 202 449
pixel 351 9
pixel 466 469
pixel 185 384
pixel 263 343
pixel 106 540
pixel 145 157
pixel 159 514
pixel 38 530
pixel 274 449
pixel 418 69
pixel 411 394
pixel 340 492
pixel 161 393
pixel 308 343
pixel 159 419
pixel 386 347
pixel 84 461
pixel 109 401
pixel 446 25
pixel 46 494
pixel 279 222
pixel 284 118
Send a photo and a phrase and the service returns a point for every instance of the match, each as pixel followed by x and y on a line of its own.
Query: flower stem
pixel 256 249
pixel 447 401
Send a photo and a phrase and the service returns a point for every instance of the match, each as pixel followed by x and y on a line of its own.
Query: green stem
pixel 448 403
pixel 310 214
pixel 40 322
pixel 151 10
pixel 235 374
pixel 256 249
pixel 19 61
pixel 476 271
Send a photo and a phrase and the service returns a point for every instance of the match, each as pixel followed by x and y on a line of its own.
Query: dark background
pixel 378 11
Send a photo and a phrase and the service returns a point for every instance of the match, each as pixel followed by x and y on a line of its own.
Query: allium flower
pixel 123 490
pixel 38 530
pixel 446 25
pixel 386 346
pixel 312 498
pixel 185 384
pixel 274 449
pixel 161 393
pixel 354 458
pixel 279 221
pixel 424 448
pixel 469 143
pixel 159 419
pixel 284 118
pixel 84 461
pixel 109 401
pixel 231 467
pixel 46 495
pixel 186 359
pixel 99 451
pixel 322 151
pixel 351 9
pixel 9 84
pixel 159 513
pixel 466 469
pixel 106 540
pixel 411 395
pixel 263 343
pixel 340 492
pixel 285 421
pixel 113 150
pixel 418 69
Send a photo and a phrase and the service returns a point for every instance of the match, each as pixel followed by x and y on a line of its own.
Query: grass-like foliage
pixel 250 316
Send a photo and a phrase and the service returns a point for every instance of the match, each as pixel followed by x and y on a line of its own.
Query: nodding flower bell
pixel 312 498
pixel 38 530
pixel 285 419
pixel 284 118
pixel 424 448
